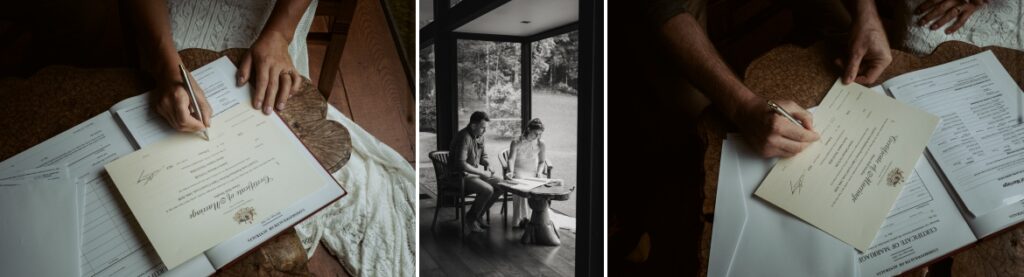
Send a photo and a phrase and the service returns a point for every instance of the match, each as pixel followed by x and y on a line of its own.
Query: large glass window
pixel 554 101
pixel 428 97
pixel 489 81
pixel 428 114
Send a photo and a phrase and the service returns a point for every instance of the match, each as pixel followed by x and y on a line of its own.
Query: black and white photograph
pixel 505 110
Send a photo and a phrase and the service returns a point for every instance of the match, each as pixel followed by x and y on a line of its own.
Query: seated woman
pixel 526 159
pixel 274 32
pixel 929 23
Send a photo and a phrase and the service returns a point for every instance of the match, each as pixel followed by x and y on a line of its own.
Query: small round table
pixel 540 230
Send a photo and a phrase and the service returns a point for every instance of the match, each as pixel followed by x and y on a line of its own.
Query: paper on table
pixel 731 211
pixel 528 184
pixel 846 182
pixel 216 79
pixel 979 144
pixel 189 194
pixel 112 243
pixel 924 224
pixel 770 242
pixel 39 211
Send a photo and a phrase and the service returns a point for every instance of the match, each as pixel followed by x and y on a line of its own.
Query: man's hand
pixel 940 12
pixel 772 135
pixel 869 53
pixel 174 104
pixel 270 68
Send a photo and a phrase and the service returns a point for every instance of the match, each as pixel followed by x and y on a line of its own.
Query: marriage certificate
pixel 846 182
pixel 189 194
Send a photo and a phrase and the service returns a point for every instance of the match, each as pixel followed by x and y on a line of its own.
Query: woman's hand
pixel 270 68
pixel 772 135
pixel 940 12
pixel 175 106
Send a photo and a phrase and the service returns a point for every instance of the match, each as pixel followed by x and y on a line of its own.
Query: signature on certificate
pixel 145 178
pixel 794 187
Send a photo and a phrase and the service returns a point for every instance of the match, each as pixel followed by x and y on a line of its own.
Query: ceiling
pixel 426 12
pixel 508 19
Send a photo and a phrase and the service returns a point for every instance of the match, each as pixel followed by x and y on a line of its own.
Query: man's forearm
pixel 702 64
pixel 468 168
pixel 156 44
pixel 860 9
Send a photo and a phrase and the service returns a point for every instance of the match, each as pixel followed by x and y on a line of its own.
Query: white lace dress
pixel 371 230
pixel 525 166
pixel 998 23
pixel 222 24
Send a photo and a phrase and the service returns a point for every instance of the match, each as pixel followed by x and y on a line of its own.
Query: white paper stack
pixel 40 219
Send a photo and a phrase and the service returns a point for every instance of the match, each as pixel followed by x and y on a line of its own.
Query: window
pixel 489 81
pixel 428 97
pixel 554 101
pixel 428 113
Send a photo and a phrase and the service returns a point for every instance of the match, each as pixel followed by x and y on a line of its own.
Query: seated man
pixel 468 156
pixel 867 56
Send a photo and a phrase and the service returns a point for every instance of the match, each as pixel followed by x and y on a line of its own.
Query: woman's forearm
pixel 542 159
pixel 284 18
pixel 512 163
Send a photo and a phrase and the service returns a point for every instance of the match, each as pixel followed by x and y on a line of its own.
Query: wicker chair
pixel 451 186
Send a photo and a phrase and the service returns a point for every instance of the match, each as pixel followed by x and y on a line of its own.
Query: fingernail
pixel 280 106
pixel 241 80
pixel 267 110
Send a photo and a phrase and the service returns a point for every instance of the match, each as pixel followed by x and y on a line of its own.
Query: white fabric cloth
pixel 997 23
pixel 371 230
pixel 222 24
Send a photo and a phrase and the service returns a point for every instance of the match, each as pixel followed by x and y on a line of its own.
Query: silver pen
pixel 779 110
pixel 192 96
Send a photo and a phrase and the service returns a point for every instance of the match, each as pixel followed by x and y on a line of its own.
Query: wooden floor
pixel 496 252
pixel 373 91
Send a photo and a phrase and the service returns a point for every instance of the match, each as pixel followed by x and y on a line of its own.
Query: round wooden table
pixel 540 230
